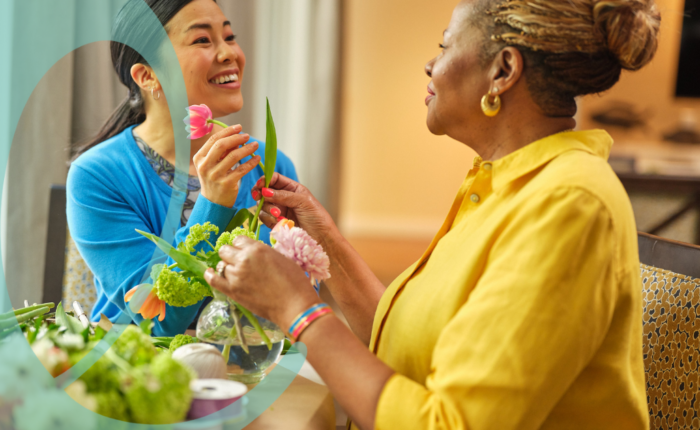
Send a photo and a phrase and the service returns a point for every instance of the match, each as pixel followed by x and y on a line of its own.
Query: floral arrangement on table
pixel 136 380
pixel 186 285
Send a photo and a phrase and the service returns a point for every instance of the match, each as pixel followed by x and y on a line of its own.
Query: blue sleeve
pixel 102 223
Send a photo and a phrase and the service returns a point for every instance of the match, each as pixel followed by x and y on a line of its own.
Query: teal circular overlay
pixel 36 34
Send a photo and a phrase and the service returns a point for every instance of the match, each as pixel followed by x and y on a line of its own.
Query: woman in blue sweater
pixel 124 179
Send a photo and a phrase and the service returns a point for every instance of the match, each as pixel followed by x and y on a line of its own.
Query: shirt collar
pixel 540 152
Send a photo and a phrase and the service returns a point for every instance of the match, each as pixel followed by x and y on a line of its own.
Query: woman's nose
pixel 226 54
pixel 429 68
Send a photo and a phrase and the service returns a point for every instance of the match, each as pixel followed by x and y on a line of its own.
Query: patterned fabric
pixel 78 283
pixel 166 171
pixel 671 348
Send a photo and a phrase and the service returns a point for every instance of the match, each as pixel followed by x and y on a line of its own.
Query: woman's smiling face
pixel 458 78
pixel 212 62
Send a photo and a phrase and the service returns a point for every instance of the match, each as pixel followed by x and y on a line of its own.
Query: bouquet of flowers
pixel 186 285
pixel 134 381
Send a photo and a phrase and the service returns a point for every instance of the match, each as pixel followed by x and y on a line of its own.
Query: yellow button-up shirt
pixel 525 312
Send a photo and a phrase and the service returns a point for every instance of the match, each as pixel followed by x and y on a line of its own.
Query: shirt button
pixel 487 166
pixel 475 198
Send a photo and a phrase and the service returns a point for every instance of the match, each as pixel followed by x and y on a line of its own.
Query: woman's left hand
pixel 263 280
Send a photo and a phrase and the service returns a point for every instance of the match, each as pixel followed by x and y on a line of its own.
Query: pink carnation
pixel 296 244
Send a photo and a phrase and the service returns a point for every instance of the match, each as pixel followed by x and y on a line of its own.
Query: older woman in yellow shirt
pixel 525 311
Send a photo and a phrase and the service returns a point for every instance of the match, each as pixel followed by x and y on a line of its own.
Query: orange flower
pixel 151 307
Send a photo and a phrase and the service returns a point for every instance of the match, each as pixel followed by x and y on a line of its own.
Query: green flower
pixel 175 290
pixel 181 340
pixel 226 238
pixel 112 404
pixel 161 395
pixel 198 233
pixel 134 346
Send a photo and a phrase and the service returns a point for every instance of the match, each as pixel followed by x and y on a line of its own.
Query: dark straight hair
pixel 130 25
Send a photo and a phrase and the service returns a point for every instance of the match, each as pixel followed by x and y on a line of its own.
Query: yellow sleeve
pixel 537 315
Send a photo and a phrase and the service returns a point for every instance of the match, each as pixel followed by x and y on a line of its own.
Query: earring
pixel 490 109
pixel 153 90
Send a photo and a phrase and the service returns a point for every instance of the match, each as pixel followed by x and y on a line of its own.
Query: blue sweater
pixel 112 191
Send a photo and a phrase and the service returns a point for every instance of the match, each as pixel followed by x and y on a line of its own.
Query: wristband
pixel 307 317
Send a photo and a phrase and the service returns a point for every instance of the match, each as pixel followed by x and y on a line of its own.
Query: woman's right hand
pixel 214 162
pixel 289 199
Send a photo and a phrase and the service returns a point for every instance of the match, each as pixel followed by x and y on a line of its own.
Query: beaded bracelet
pixel 307 317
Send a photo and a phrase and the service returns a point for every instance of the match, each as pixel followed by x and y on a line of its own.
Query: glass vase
pixel 217 325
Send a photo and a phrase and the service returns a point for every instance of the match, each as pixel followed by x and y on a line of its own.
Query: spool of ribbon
pixel 213 395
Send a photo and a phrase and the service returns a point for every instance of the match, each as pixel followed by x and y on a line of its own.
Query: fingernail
pixel 237 127
pixel 275 212
pixel 255 194
pixel 266 192
pixel 245 136
pixel 261 181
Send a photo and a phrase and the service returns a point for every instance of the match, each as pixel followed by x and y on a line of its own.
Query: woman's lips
pixel 230 85
pixel 431 95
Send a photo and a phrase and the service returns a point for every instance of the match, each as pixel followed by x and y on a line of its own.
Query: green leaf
pixel 99 333
pixel 270 147
pixel 146 326
pixel 72 324
pixel 240 218
pixel 184 260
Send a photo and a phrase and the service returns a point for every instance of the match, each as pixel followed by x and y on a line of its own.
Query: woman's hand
pixel 289 199
pixel 215 160
pixel 263 280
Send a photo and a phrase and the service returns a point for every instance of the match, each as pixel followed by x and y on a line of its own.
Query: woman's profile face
pixel 212 62
pixel 458 78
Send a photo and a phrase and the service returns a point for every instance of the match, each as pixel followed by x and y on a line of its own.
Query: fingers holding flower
pixel 262 280
pixel 217 164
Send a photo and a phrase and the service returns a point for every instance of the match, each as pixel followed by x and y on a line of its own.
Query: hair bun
pixel 630 29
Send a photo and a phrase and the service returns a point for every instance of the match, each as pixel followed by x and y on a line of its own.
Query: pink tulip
pixel 199 121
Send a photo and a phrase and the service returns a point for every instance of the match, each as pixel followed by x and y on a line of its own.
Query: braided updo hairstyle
pixel 571 47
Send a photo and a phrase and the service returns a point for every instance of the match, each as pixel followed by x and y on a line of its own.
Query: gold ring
pixel 221 271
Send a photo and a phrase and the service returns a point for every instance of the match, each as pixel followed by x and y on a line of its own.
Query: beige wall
pixel 399 180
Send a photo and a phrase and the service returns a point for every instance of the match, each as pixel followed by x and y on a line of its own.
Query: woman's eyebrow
pixel 205 26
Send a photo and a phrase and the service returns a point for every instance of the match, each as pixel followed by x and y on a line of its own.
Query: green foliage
pixel 155 271
pixel 103 376
pixel 71 323
pixel 112 404
pixel 181 340
pixel 270 146
pixel 239 219
pixel 175 290
pixel 227 238
pixel 199 233
pixel 185 261
pixel 161 394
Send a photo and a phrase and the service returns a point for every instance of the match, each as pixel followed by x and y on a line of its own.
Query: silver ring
pixel 222 270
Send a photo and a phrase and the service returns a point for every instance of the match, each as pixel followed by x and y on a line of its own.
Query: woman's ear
pixel 507 68
pixel 144 77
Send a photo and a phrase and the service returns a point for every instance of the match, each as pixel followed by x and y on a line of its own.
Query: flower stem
pixel 254 321
pixel 254 224
pixel 239 328
pixel 213 121
pixel 209 243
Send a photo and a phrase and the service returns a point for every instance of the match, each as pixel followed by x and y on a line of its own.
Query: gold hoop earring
pixel 490 109
pixel 153 90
